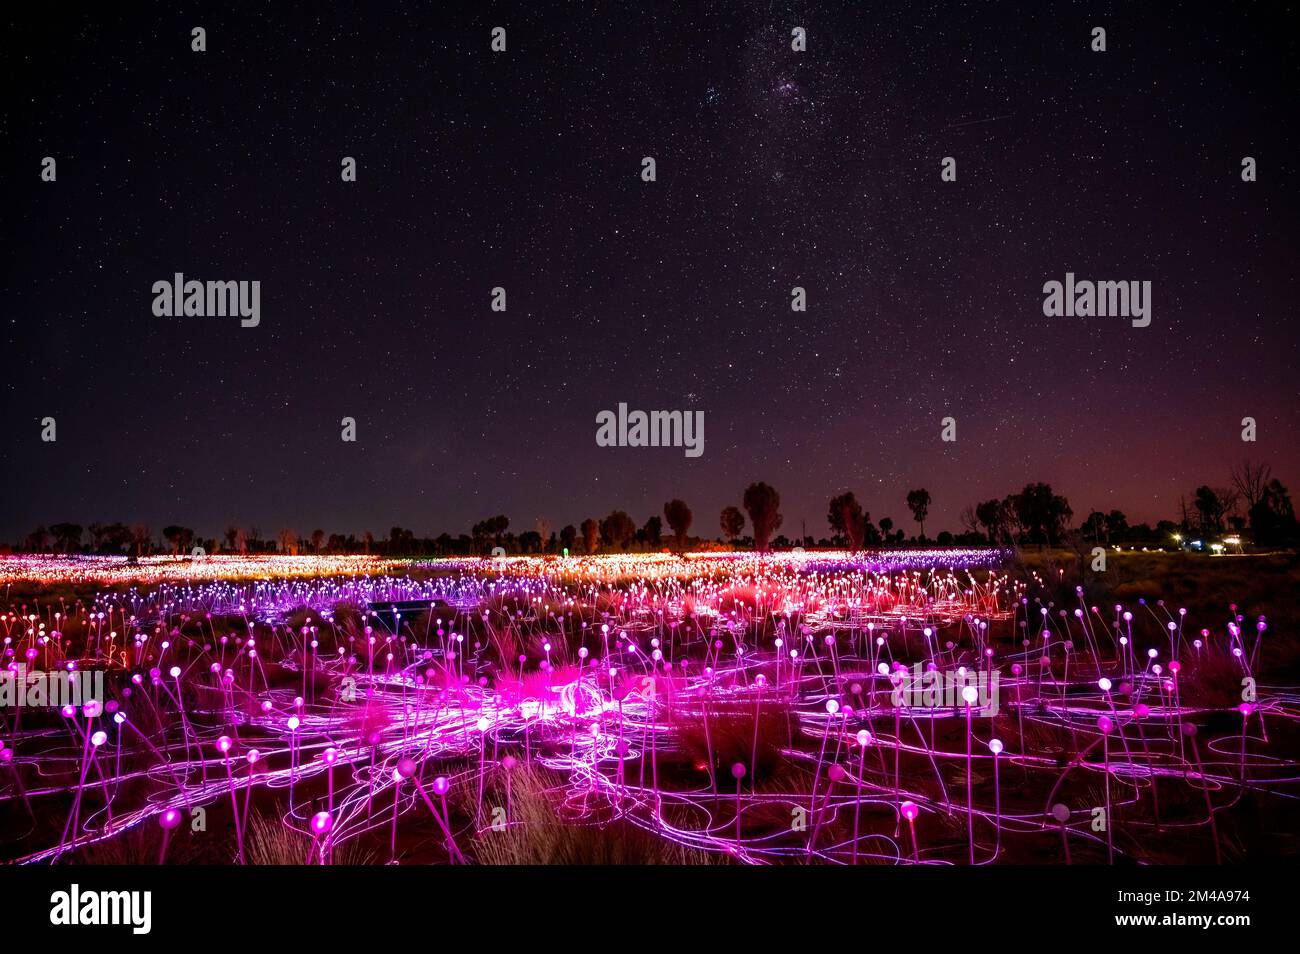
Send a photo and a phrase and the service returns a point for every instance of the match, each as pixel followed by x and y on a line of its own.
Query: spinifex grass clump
pixel 544 824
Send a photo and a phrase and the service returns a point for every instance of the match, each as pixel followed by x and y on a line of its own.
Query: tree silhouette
pixel 918 501
pixel 1272 519
pixel 1250 480
pixel 140 537
pixel 617 529
pixel 401 541
pixel 846 518
pixel 180 538
pixel 1042 515
pixel 1210 508
pixel 679 518
pixel 763 504
pixel 590 534
pixel 732 522
pixel 67 536
pixel 569 537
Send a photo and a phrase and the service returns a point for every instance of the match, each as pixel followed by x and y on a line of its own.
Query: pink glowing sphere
pixel 406 767
pixel 223 744
pixel 970 694
pixel 1103 684
pixel 864 738
pixel 99 738
pixel 910 811
pixel 321 823
pixel 169 819
pixel 1061 813
pixel 441 786
pixel 738 770
pixel 1105 725
pixel 836 773
pixel 330 756
pixel 995 746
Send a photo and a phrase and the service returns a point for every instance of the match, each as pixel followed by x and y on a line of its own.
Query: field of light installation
pixel 931 707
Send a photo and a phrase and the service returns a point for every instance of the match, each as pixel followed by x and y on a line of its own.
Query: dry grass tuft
pixel 536 834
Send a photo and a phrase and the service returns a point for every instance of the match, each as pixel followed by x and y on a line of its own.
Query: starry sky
pixel 521 169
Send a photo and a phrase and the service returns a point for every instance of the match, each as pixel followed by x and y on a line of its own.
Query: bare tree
pixel 1250 480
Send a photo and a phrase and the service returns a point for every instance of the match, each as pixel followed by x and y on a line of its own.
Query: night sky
pixel 522 170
